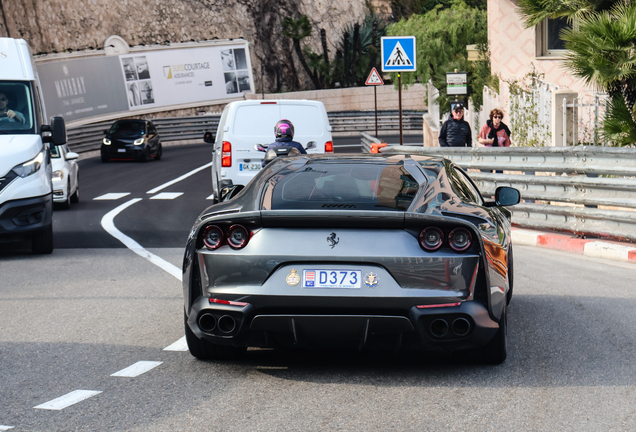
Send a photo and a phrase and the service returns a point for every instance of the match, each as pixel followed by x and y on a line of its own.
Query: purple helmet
pixel 284 128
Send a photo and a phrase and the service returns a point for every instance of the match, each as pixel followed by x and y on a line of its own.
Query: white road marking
pixel 211 197
pixel 109 225
pixel 5 428
pixel 178 179
pixel 68 400
pixel 167 195
pixel 137 369
pixel 111 196
pixel 180 345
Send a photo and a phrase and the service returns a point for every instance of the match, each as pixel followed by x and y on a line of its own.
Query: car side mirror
pixel 229 192
pixel 71 156
pixel 507 196
pixel 57 131
pixel 311 145
pixel 208 137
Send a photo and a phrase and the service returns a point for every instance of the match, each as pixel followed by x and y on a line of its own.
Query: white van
pixel 244 124
pixel 26 199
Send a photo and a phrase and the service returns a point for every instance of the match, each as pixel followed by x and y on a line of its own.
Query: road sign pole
pixel 400 105
pixel 375 98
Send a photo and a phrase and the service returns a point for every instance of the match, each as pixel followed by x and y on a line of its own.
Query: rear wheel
pixel 42 241
pixel 510 275
pixel 204 350
pixel 496 351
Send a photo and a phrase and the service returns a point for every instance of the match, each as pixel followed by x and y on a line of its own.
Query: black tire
pixel 510 275
pixel 76 195
pixel 145 157
pixel 159 152
pixel 496 351
pixel 67 204
pixel 42 241
pixel 105 158
pixel 204 350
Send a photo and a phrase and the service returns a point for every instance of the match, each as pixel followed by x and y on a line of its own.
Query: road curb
pixel 616 251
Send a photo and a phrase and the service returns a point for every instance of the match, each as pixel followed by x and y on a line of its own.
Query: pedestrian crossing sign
pixel 398 54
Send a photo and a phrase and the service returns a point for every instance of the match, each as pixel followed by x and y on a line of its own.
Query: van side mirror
pixel 208 137
pixel 57 131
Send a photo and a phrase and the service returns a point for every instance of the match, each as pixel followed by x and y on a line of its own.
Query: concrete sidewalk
pixel 612 250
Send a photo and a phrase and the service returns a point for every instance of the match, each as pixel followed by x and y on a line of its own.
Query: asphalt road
pixel 70 320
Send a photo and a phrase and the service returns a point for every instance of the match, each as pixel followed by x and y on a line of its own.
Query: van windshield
pixel 16 108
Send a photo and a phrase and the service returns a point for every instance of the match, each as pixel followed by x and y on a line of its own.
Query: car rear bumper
pixel 467 325
pixel 20 219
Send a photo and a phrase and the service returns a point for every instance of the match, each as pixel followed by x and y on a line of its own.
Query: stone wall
pixel 63 25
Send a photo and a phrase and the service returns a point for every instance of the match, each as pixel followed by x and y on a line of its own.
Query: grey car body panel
pixel 382 242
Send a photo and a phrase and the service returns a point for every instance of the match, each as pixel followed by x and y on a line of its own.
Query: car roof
pixel 132 121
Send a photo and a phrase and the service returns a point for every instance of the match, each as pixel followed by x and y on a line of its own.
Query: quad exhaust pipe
pixel 227 324
pixel 440 327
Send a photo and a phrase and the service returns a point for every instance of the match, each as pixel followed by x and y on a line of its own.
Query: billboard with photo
pixel 148 80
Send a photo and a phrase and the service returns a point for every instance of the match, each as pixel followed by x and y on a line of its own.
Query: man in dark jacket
pixel 284 132
pixel 456 131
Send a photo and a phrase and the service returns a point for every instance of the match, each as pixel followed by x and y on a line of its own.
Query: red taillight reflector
pixel 431 238
pixel 268 103
pixel 460 239
pixel 226 156
pixel 329 147
pixel 212 237
pixel 227 302
pixel 438 305
pixel 238 236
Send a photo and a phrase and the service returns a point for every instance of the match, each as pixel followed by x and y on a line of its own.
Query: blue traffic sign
pixel 398 54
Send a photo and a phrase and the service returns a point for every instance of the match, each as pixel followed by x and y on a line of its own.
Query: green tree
pixel 442 36
pixel 297 30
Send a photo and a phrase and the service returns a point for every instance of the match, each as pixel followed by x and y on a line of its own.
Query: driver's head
pixel 4 101
pixel 284 128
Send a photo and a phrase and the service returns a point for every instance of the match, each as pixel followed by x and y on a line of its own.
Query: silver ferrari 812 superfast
pixel 397 252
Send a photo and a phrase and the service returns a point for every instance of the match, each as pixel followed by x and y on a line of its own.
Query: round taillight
pixel 460 239
pixel 431 238
pixel 237 237
pixel 212 237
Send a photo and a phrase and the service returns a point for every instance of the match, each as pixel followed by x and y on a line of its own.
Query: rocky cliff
pixel 63 25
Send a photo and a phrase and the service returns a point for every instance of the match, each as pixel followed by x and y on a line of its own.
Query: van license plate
pixel 250 167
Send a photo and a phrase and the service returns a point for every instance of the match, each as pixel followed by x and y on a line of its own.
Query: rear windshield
pixel 338 186
pixel 128 128
pixel 259 120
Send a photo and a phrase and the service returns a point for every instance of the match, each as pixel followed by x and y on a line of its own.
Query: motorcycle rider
pixel 284 131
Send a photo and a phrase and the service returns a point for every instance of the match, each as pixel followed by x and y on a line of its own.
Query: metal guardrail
pixel 564 179
pixel 89 137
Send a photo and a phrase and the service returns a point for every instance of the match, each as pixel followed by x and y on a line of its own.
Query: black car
pixel 352 251
pixel 131 140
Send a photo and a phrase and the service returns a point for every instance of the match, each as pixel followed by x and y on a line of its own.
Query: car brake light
pixel 268 103
pixel 459 239
pixel 237 237
pixel 226 156
pixel 437 305
pixel 212 237
pixel 431 239
pixel 329 147
pixel 228 302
